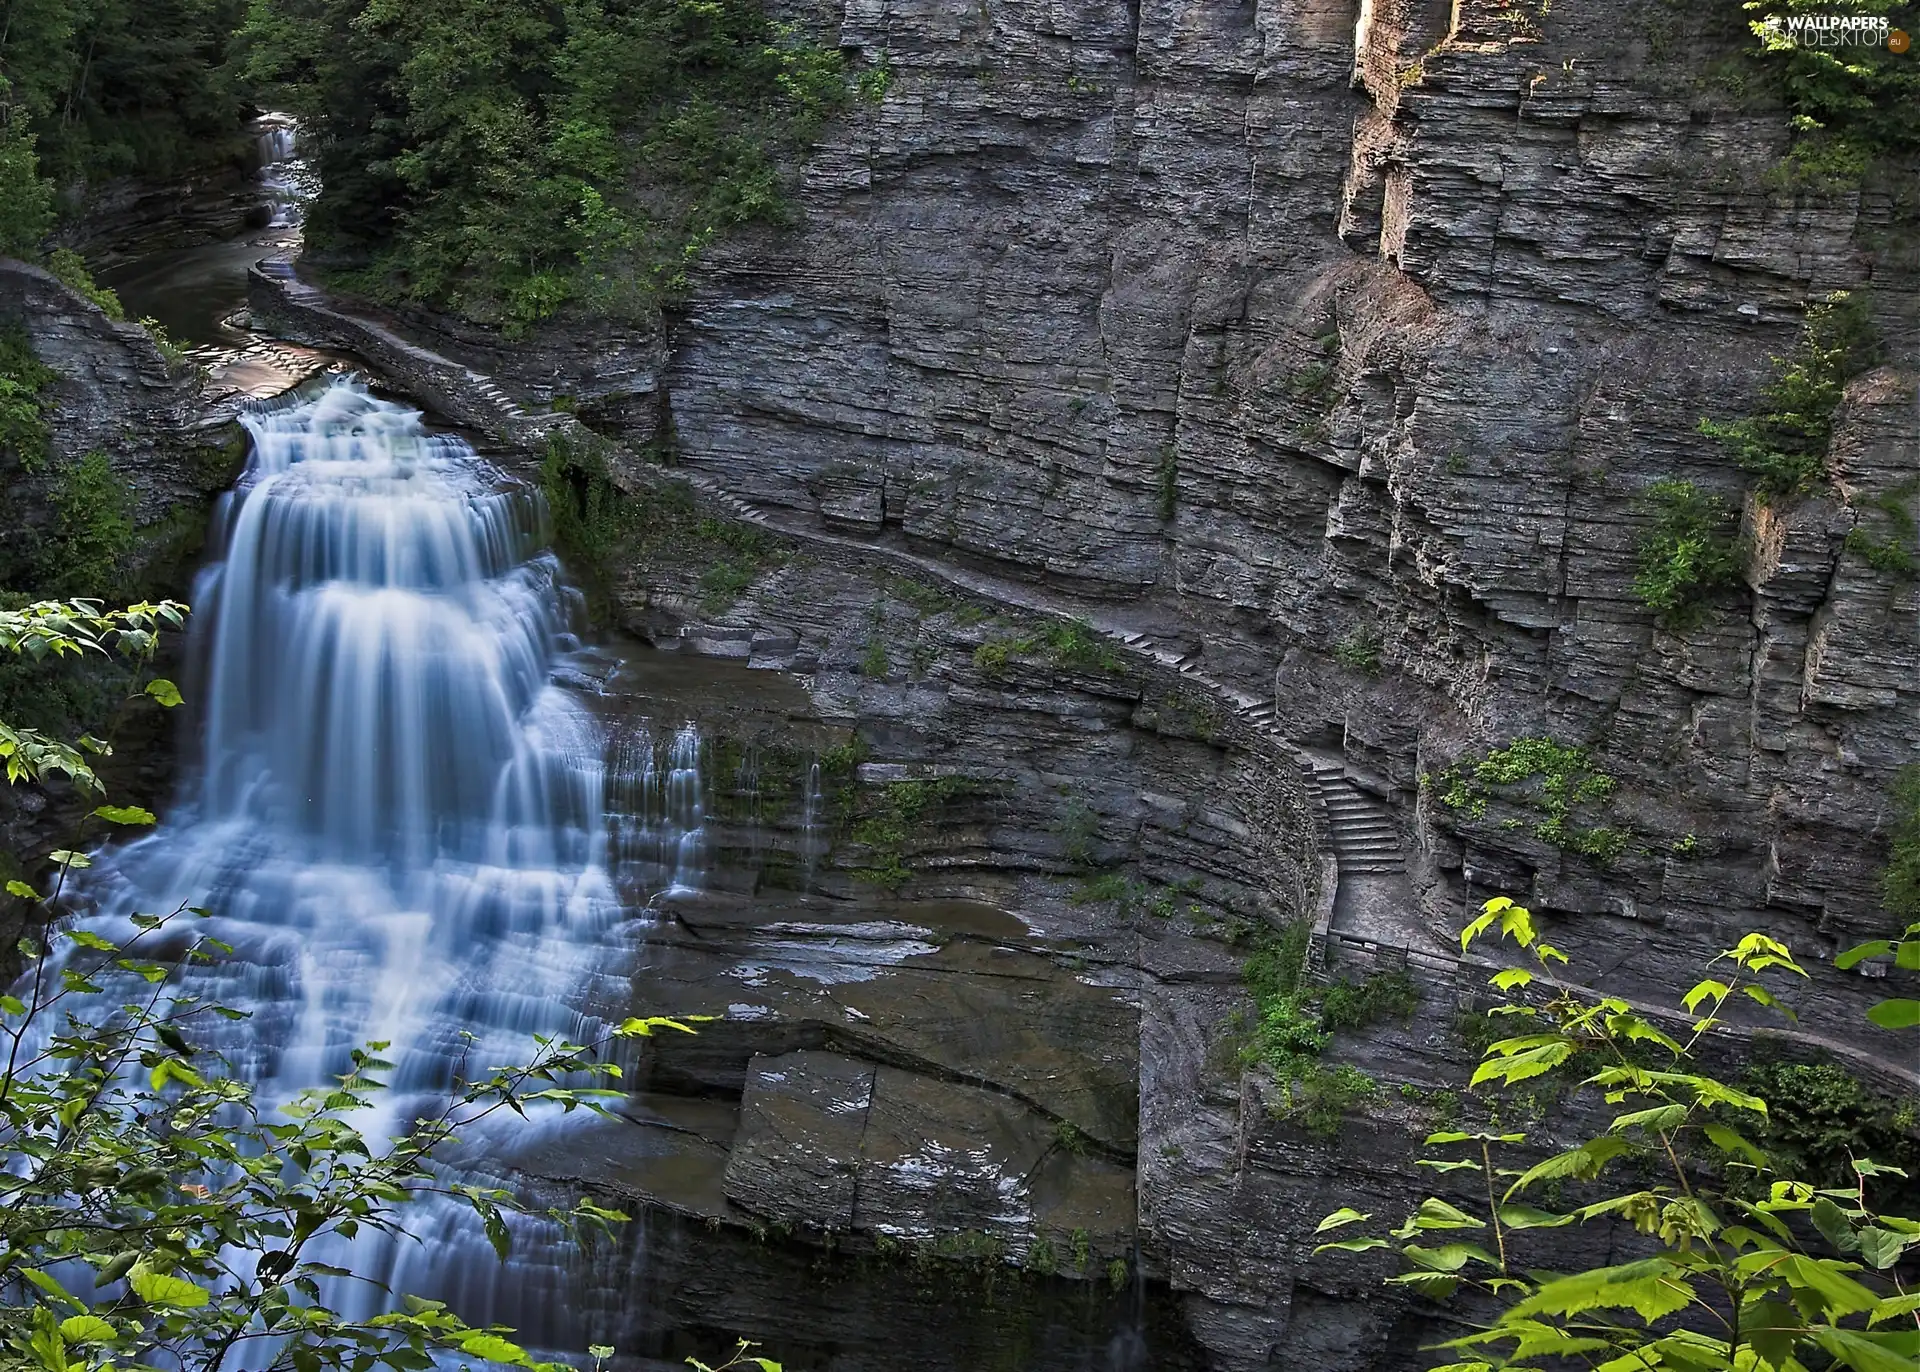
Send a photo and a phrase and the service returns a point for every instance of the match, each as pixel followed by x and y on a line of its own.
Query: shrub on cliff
pixel 1690 552
pixel 501 159
pixel 1740 1263
pixel 1785 446
pixel 1900 885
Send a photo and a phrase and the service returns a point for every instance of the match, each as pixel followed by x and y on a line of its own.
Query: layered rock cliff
pixel 1292 325
pixel 1331 347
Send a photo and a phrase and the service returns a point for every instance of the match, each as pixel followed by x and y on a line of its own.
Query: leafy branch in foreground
pixel 1740 1268
pixel 152 1214
pixel 78 628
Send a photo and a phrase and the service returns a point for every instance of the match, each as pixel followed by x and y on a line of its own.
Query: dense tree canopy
pixel 99 88
pixel 503 157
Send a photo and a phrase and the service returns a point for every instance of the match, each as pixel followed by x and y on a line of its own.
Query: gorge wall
pixel 1292 324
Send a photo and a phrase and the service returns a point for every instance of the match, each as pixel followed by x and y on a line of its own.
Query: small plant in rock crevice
pixel 1555 781
pixel 1359 651
pixel 1691 551
pixel 1784 448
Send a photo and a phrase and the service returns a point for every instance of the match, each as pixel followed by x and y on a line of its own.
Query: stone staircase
pixel 1363 836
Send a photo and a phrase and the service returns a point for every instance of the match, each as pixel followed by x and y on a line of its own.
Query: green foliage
pixel 601 529
pixel 503 160
pixel 1294 1024
pixel 80 630
pixel 1821 1117
pixel 1557 782
pixel 1073 644
pixel 102 88
pixel 26 198
pixel 1893 552
pixel 1849 106
pixel 1785 446
pixel 1167 482
pixel 874 662
pixel 92 533
pixel 904 809
pixel 1900 883
pixel 1690 551
pixel 1389 994
pixel 1079 831
pixel 1740 1263
pixel 1359 651
pixel 68 265
pixel 25 434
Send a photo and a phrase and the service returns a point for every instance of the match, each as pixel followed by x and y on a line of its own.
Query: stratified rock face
pixel 113 393
pixel 1229 310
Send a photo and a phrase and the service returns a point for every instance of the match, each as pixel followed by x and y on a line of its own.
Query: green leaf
pixel 66 857
pixel 1716 990
pixel 1584 1162
pixel 1353 1246
pixel 1526 1217
pixel 164 691
pixel 22 890
pixel 1512 977
pixel 52 1288
pixel 1896 1014
pixel 1834 1226
pixel 87 1329
pixel 1344 1215
pixel 1881 1247
pixel 1772 1328
pixel 493 1348
pixel 1895 1307
pixel 156 1288
pixel 1731 1142
pixel 1438 1214
pixel 1861 952
pixel 1656 1120
pixel 1826 1285
pixel 124 814
pixel 1861 1352
pixel 1653 1289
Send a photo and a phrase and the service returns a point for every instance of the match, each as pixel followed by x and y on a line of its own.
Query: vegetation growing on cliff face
pixel 24 432
pixel 502 160
pixel 1691 551
pixel 1740 1261
pixel 1558 782
pixel 1785 446
pixel 598 526
pixel 1295 1020
pixel 1900 885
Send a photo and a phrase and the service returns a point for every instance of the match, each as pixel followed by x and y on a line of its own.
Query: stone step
pixel 1369 867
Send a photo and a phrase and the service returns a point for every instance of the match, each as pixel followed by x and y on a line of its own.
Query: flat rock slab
pixel 828 1141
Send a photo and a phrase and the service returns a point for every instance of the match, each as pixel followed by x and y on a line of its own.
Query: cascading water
pixel 284 175
pixel 400 823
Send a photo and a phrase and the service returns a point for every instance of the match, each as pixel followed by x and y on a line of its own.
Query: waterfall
pixel 284 175
pixel 656 800
pixel 400 821
pixel 813 845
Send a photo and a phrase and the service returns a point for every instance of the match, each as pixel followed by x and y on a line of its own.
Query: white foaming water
pixel 283 174
pixel 399 822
